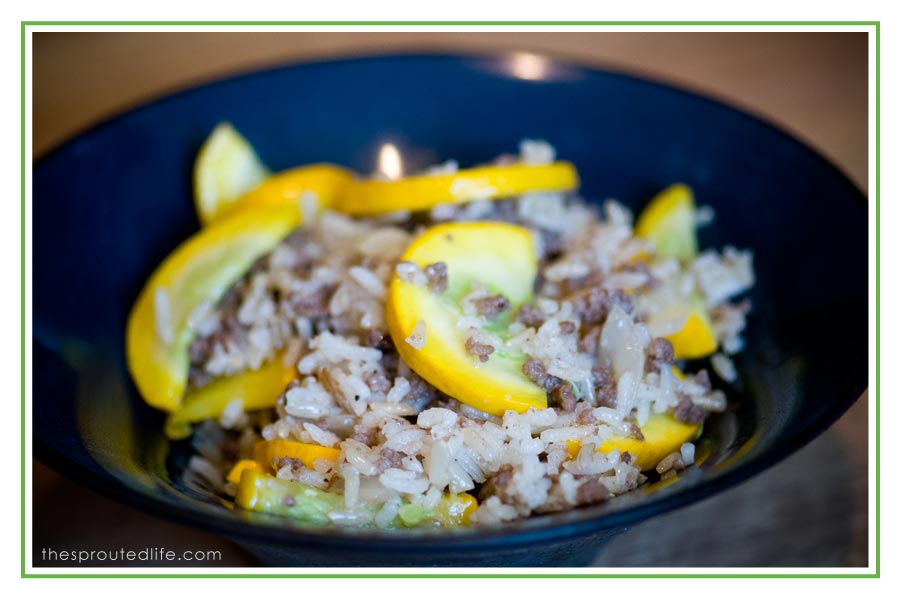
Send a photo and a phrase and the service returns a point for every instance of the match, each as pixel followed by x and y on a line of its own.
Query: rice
pixel 724 367
pixel 416 338
pixel 318 303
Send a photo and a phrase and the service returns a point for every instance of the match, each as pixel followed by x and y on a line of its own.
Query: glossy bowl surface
pixel 111 203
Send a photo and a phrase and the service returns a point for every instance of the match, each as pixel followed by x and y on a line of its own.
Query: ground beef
pixel 200 350
pixel 311 305
pixel 498 485
pixel 593 304
pixel 491 306
pixel 635 432
pixel 535 371
pixel 587 417
pixel 295 464
pixel 364 434
pixel 593 279
pixel 379 339
pixel 590 340
pixel 688 412
pixel 437 277
pixel 197 377
pixel 420 394
pixel 531 316
pixel 604 387
pixel 660 352
pixel 230 331
pixel 305 252
pixel 567 327
pixel 563 396
pixel 591 492
pixel 231 300
pixel 482 351
pixel 388 459
pixel 377 382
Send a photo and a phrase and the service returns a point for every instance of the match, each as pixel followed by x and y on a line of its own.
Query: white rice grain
pixel 417 336
pixel 724 367
pixel 688 452
pixel 403 481
pixel 368 281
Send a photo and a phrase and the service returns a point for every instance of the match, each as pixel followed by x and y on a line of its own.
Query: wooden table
pixel 811 510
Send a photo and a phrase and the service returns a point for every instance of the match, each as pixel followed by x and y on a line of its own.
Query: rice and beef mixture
pixel 593 338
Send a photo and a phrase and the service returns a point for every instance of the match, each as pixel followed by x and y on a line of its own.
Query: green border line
pixel 876 575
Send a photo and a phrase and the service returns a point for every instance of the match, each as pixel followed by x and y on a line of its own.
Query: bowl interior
pixel 110 204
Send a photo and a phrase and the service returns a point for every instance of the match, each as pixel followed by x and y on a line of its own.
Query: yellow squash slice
pixel 496 254
pixel 669 221
pixel 199 271
pixel 257 389
pixel 234 475
pixel 260 492
pixel 287 187
pixel 226 168
pixel 422 192
pixel 266 452
pixel 697 338
pixel 663 435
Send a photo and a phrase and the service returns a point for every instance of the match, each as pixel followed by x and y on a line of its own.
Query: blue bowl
pixel 111 203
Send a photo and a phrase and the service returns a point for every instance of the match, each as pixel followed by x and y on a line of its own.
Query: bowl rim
pixel 530 530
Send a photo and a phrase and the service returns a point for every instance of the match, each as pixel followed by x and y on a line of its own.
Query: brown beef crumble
pixel 312 305
pixel 377 382
pixel 388 459
pixel 590 340
pixel 491 306
pixel 591 492
pixel 437 277
pixel 530 316
pixel 563 396
pixel 566 327
pixel 604 387
pixel 592 305
pixel 482 351
pixel 660 352
pixel 535 371
pixel 688 412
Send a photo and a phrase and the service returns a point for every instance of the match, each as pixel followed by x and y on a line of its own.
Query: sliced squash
pixel 287 187
pixel 226 168
pixel 266 452
pixel 423 192
pixel 499 255
pixel 260 492
pixel 697 338
pixel 663 435
pixel 234 475
pixel 199 271
pixel 669 221
pixel 257 389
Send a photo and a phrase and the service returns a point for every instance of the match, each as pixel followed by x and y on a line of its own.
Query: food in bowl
pixel 460 347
